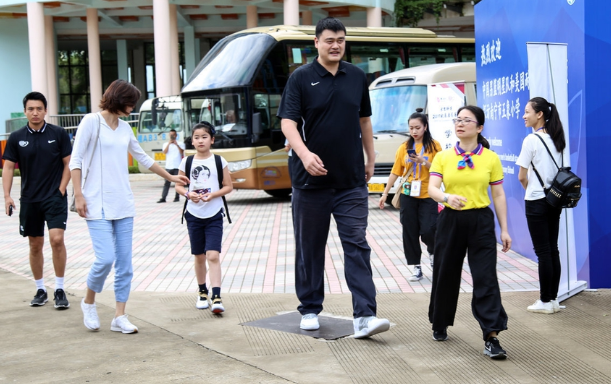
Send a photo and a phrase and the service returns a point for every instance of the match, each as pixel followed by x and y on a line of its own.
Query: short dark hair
pixel 330 23
pixel 119 95
pixel 206 126
pixel 35 96
pixel 173 130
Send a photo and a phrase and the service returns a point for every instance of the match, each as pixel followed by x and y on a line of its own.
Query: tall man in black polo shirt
pixel 325 113
pixel 43 152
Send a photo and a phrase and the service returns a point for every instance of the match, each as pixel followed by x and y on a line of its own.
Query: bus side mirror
pixel 154 106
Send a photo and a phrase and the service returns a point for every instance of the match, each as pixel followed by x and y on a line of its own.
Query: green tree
pixel 410 12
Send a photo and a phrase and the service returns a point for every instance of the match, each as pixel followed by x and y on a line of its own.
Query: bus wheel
pixel 281 193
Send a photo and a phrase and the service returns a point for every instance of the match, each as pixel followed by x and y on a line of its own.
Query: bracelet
pixel 187 195
pixel 446 197
pixel 385 194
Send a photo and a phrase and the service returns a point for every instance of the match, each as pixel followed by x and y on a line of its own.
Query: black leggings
pixel 468 232
pixel 543 224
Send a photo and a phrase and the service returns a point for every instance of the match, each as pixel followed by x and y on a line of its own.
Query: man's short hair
pixel 35 96
pixel 119 95
pixel 173 130
pixel 330 23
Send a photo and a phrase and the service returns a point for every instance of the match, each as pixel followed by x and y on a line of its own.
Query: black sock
pixel 202 288
pixel 216 292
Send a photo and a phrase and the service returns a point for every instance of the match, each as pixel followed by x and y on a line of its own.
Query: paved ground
pixel 178 343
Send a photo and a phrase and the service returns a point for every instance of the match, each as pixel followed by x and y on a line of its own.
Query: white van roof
pixel 427 74
pixel 172 102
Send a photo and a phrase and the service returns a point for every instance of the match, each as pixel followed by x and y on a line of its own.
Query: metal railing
pixel 68 122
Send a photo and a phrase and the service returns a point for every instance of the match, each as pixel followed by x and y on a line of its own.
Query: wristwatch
pixel 187 195
pixel 446 196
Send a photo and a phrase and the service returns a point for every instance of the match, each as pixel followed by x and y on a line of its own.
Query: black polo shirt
pixel 327 109
pixel 40 156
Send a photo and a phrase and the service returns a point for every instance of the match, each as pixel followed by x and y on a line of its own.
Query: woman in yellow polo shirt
pixel 466 226
pixel 419 212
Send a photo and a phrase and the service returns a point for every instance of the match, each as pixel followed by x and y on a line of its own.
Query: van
pixel 153 132
pixel 394 97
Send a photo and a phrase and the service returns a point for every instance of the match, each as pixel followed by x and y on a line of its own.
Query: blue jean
pixel 112 243
pixel 312 209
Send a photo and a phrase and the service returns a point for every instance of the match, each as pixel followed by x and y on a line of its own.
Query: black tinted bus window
pixel 376 59
pixel 468 53
pixel 300 53
pixel 432 54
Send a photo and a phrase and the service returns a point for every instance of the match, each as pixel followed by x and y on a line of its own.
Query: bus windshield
pixel 166 119
pixel 226 111
pixel 391 107
pixel 232 64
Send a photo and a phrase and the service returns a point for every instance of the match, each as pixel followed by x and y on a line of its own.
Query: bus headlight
pixel 235 166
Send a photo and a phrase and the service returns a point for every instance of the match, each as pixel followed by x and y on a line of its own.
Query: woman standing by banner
pixel 419 212
pixel 543 219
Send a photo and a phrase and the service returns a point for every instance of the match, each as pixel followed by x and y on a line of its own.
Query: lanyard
pixel 540 129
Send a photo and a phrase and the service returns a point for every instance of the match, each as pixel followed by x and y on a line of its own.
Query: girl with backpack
pixel 542 218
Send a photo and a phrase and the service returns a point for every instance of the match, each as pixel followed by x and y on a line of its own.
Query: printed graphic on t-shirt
pixel 200 176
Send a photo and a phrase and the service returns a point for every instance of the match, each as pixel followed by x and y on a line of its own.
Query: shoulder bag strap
pixel 188 164
pixel 95 145
pixel 548 151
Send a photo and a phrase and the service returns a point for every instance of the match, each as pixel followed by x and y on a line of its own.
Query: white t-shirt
pixel 173 157
pixel 534 151
pixel 204 179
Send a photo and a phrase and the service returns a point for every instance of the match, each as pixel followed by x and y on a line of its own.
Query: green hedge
pixel 16 172
pixel 133 169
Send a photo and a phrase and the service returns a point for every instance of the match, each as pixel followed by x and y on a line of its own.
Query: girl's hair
pixel 427 139
pixel 206 126
pixel 553 125
pixel 480 116
pixel 119 95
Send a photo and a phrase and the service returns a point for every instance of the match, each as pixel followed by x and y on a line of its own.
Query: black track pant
pixel 471 232
pixel 419 219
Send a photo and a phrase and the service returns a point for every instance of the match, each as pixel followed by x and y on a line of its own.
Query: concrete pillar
pixel 252 19
pixel 51 56
pixel 36 39
pixel 197 51
pixel 122 59
pixel 291 12
pixel 163 66
pixel 306 18
pixel 175 61
pixel 95 59
pixel 374 17
pixel 189 44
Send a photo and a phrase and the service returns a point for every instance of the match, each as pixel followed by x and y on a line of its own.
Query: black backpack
pixel 219 171
pixel 565 190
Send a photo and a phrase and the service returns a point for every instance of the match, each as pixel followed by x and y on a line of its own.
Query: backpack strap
pixel 188 164
pixel 550 153
pixel 219 171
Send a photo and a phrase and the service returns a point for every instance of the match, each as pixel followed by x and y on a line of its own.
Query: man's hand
pixel 369 168
pixel 313 164
pixel 8 202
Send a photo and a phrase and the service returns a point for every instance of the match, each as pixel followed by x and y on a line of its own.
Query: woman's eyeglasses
pixel 463 121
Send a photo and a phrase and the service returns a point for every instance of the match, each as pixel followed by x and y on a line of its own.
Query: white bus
pixel 153 134
pixel 394 97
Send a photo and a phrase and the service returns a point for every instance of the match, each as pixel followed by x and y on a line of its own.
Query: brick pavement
pixel 257 255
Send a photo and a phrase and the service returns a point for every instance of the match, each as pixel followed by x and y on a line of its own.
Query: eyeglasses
pixel 463 121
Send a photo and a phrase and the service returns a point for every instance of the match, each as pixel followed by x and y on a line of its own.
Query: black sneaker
pixel 493 349
pixel 61 302
pixel 176 199
pixel 440 335
pixel 40 298
pixel 161 201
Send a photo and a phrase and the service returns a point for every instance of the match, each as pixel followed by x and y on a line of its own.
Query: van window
pixel 391 107
pixel 376 59
pixel 166 120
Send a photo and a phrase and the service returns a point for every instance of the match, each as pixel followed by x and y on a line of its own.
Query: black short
pixel 32 216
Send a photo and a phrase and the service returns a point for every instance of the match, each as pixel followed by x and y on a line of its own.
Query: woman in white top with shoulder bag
pixel 104 198
pixel 536 168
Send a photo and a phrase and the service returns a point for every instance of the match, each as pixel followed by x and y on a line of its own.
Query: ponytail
pixel 553 125
pixel 482 140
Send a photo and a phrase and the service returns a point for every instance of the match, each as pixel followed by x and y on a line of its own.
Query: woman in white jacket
pixel 104 197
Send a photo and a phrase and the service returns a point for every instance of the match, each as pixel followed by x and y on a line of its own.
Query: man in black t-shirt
pixel 325 112
pixel 43 152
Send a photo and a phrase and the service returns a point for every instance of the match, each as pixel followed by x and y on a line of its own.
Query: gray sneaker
pixel 417 274
pixel 40 298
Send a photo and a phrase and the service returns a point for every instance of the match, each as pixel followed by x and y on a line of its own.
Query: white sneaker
pixel 541 307
pixel 122 324
pixel 217 305
pixel 309 322
pixel 90 316
pixel 431 258
pixel 417 274
pixel 202 301
pixel 556 305
pixel 369 326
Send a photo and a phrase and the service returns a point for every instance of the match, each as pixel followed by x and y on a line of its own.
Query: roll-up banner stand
pixel 444 100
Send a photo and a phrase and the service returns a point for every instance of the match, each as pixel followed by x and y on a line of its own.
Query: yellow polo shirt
pixel 402 163
pixel 471 183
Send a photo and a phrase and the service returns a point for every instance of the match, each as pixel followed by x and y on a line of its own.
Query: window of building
pixel 73 76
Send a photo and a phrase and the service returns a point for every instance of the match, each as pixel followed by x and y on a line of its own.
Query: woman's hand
pixel 418 159
pixel 505 240
pixel 457 202
pixel 181 179
pixel 382 201
pixel 81 205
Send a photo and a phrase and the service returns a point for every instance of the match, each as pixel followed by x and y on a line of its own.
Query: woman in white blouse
pixel 104 197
